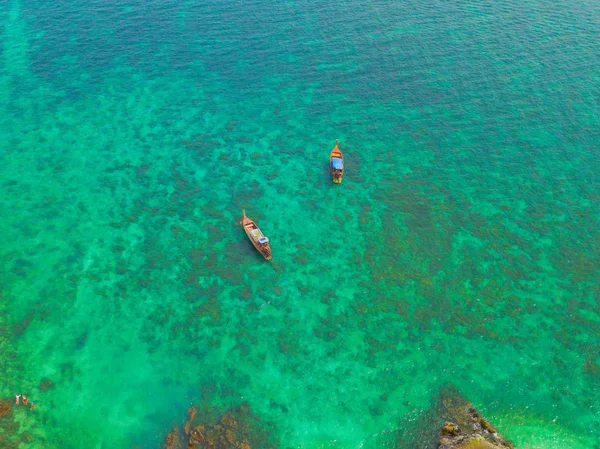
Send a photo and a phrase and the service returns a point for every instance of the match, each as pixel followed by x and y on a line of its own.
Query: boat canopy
pixel 263 240
pixel 337 163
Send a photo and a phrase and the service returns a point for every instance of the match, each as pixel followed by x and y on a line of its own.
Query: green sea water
pixel 462 247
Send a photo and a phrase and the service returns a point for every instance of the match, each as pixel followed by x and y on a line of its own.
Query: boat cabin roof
pixel 337 163
pixel 257 234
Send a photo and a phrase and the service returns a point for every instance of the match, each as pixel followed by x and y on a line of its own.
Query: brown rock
pixel 172 440
pixel 229 421
pixel 487 426
pixel 245 445
pixel 237 428
pixel 5 407
pixel 466 429
pixel 211 438
pixel 192 411
pixel 197 436
pixel 230 436
pixel 449 427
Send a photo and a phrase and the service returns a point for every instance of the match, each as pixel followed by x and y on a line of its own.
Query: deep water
pixel 462 245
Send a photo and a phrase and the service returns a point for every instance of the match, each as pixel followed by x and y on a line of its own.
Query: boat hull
pixel 255 235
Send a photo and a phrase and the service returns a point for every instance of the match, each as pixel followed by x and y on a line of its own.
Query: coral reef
pixel 462 427
pixel 237 428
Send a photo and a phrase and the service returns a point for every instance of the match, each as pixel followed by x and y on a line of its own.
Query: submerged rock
pixel 225 433
pixel 5 407
pixel 192 411
pixel 237 428
pixel 172 441
pixel 462 427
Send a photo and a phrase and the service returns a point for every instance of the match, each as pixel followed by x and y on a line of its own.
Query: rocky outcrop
pixel 237 428
pixel 462 427
pixel 450 423
pixel 465 428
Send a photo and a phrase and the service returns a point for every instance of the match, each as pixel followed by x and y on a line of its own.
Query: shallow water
pixel 461 247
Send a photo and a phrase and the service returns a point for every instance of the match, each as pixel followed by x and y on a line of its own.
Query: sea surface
pixel 462 247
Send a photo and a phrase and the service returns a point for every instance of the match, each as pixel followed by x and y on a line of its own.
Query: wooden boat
pixel 336 162
pixel 258 239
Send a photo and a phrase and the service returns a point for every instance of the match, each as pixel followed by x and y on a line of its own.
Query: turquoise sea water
pixel 462 246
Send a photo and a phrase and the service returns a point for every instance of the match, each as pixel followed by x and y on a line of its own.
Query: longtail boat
pixel 336 161
pixel 258 239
